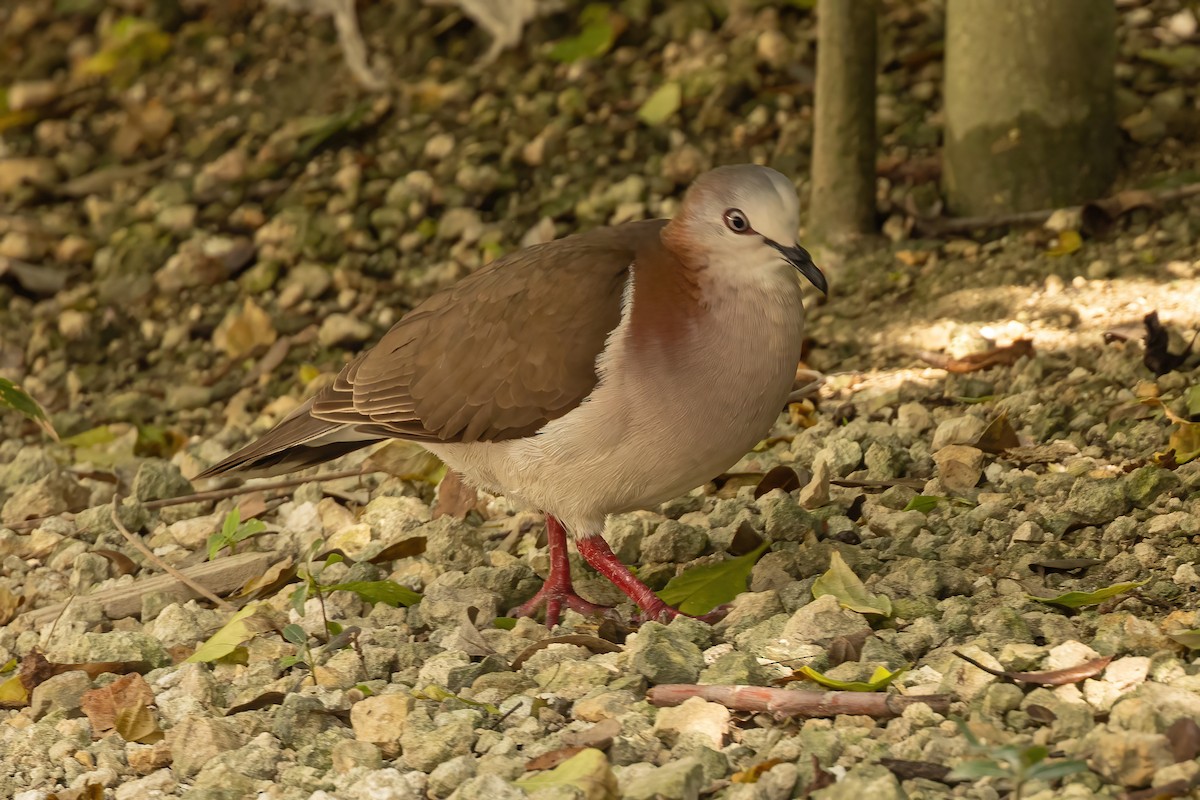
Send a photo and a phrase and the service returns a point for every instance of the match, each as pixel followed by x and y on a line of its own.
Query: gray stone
pixel 735 668
pixel 823 619
pixel 338 330
pixel 96 521
pixel 449 775
pixel 674 543
pixel 112 646
pixel 957 430
pixel 1095 501
pixel 663 654
pixel 785 521
pixel 868 780
pixel 747 610
pixel 157 480
pixel 676 780
pixel 53 494
pixel 301 718
pixel 842 455
pixel 484 787
pixel 349 754
pixel 425 745
pixel 60 693
pixel 30 465
pixel 1129 758
pixel 624 534
pixel 197 740
pixel 1145 485
pixel 87 571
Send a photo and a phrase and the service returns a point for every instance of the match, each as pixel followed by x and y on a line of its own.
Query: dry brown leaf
pixel 908 770
pixel 593 643
pixel 1184 735
pixel 753 773
pixel 1000 356
pixel 123 564
pixel 9 603
pixel 405 548
pixel 553 758
pixel 454 497
pixel 124 707
pixel 1054 677
pixel 998 436
pixel 778 477
pixel 275 577
pixel 1158 357
pixel 244 331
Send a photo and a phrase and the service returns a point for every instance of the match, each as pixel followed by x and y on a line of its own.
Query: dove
pixel 598 374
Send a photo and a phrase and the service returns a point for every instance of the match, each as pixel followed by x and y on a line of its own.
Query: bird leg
pixel 558 591
pixel 597 553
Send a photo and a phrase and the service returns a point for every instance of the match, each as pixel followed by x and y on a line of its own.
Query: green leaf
pixel 841 582
pixel 1081 599
pixel 1189 639
pixel 600 30
pixel 505 623
pixel 1068 242
pixel 924 503
pixel 388 592
pixel 16 398
pixel 130 44
pixel 880 679
pixel 299 598
pixel 701 589
pixel 295 634
pixel 978 768
pixel 1191 399
pixel 238 629
pixel 660 106
pixel 290 661
pixel 1056 769
pixel 587 771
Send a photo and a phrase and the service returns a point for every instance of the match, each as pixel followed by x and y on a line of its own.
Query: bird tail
pixel 300 440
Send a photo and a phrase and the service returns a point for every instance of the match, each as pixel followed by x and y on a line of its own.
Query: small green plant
pixel 233 530
pixel 1016 764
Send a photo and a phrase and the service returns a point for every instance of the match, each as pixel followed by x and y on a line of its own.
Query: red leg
pixel 597 553
pixel 557 591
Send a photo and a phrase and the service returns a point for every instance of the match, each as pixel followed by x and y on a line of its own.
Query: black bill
pixel 799 258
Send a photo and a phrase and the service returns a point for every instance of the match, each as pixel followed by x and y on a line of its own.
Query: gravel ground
pixel 203 219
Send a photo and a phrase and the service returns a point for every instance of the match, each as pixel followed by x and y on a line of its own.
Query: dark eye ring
pixel 736 221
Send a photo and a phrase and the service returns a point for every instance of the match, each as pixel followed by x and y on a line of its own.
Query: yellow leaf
pixel 13 694
pixel 1068 242
pixel 841 582
pixel 1185 441
pixel 308 373
pixel 239 628
pixel 660 106
pixel 9 603
pixel 880 679
pixel 242 332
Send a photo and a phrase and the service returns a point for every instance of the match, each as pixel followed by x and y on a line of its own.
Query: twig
pixel 788 703
pixel 212 494
pixel 941 225
pixel 140 546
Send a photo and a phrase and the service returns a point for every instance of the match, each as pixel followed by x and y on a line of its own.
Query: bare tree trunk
pixel 1030 108
pixel 843 168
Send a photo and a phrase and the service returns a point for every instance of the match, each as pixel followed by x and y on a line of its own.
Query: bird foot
pixel 554 597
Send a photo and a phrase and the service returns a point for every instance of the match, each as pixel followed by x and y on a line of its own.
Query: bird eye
pixel 736 221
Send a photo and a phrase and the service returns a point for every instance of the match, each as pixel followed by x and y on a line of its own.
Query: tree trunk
pixel 1030 107
pixel 843 165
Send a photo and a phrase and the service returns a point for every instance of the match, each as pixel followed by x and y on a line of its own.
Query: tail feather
pixel 300 440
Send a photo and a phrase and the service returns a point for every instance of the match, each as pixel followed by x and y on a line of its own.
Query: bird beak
pixel 799 258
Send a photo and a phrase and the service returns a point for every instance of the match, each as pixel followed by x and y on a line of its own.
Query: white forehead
pixel 765 196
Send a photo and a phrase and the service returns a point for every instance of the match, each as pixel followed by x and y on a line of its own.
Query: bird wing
pixel 499 354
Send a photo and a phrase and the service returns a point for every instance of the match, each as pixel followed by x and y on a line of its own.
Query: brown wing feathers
pixel 493 357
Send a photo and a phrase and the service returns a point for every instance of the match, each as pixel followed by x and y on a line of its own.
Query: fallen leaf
pixel 122 706
pixel 600 735
pixel 388 592
pixel 778 477
pixel 1064 564
pixel 841 582
pixel 407 461
pixel 9 603
pixel 1184 735
pixel 1067 242
pixel 126 48
pixel 1189 639
pixel 880 679
pixel 405 548
pixel 1051 453
pixel 553 758
pixel 822 778
pixel 14 397
pixel 244 331
pixel 276 576
pixel 1098 216
pixel 1040 714
pixel 259 701
pixel 998 436
pixel 455 498
pixel 846 648
pixel 35 668
pixel 661 105
pixel 1191 400
pixel 1000 356
pixel 752 773
pixel 600 28
pixel 587 771
pixel 242 626
pixel 908 770
pixel 924 503
pixel 699 590
pixel 1185 442
pixel 123 564
pixel 1082 599
pixel 13 693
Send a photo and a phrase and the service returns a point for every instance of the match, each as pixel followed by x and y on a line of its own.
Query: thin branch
pixel 789 703
pixel 140 546
pixel 212 494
